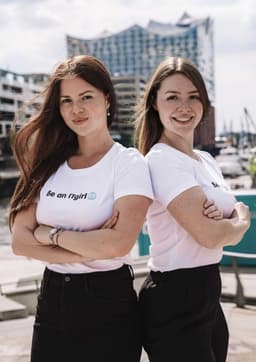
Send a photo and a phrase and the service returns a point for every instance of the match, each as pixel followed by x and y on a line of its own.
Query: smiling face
pixel 178 104
pixel 82 106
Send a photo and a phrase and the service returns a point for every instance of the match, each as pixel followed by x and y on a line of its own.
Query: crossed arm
pixel 31 240
pixel 119 233
pixel 187 210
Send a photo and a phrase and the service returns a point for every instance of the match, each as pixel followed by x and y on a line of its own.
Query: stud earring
pixel 108 113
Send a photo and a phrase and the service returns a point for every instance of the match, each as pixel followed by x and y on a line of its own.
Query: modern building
pixel 15 90
pixel 136 51
pixel 129 90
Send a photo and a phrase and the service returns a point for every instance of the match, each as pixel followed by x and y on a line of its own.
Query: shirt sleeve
pixel 171 174
pixel 212 161
pixel 132 175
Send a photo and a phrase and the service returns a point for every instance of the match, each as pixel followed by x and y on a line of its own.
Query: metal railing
pixel 239 297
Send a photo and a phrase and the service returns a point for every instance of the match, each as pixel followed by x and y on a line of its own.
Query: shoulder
pixel 131 173
pixel 61 171
pixel 128 154
pixel 206 156
pixel 167 156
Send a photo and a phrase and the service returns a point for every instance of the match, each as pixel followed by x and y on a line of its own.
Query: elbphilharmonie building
pixel 137 51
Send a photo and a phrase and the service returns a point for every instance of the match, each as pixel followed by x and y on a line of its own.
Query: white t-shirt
pixel 83 199
pixel 173 172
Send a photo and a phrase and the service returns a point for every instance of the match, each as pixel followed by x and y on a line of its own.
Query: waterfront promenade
pixel 15 334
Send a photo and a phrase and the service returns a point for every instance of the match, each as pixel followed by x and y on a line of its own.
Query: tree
pixel 252 171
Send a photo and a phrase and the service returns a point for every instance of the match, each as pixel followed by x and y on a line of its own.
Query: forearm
pixel 187 210
pixel 105 243
pixel 27 245
pixel 96 244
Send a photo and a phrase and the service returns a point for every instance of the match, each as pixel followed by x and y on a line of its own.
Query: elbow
pixel 212 244
pixel 122 247
pixel 16 249
pixel 212 241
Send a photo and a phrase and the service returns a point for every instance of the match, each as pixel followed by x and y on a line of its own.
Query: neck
pixel 92 145
pixel 182 144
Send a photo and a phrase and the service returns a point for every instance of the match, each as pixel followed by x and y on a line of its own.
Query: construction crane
pixel 249 119
pixel 250 123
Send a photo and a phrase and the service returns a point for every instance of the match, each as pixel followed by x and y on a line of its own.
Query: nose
pixel 184 105
pixel 78 107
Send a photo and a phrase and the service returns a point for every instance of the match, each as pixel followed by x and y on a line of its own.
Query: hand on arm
pixel 24 243
pixel 42 232
pixel 186 208
pixel 115 238
pixel 111 222
pixel 211 210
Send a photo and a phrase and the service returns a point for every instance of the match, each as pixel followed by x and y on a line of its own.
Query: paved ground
pixel 15 337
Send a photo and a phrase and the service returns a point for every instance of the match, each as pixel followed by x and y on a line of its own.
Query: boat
pixel 230 162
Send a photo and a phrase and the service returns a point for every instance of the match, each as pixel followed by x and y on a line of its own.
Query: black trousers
pixel 182 317
pixel 90 317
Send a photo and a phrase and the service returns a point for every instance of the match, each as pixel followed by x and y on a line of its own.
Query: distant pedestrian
pixel 79 206
pixel 182 316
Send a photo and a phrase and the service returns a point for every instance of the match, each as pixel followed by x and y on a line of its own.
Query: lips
pixel 182 119
pixel 79 120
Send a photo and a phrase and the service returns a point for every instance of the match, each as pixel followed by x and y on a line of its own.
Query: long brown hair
pixel 45 141
pixel 148 125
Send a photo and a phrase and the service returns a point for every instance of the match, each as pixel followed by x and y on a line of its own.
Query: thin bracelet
pixel 57 236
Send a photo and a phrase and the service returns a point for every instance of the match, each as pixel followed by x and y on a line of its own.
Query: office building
pixel 15 90
pixel 129 90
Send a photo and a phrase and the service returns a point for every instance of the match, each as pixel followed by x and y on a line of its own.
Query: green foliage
pixel 252 171
pixel 252 167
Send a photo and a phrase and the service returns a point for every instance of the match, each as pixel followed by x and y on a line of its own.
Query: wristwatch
pixel 52 233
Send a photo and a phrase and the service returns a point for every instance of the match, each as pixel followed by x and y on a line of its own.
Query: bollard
pixel 239 298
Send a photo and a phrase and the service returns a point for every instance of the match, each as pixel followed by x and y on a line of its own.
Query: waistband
pixel 211 268
pixel 125 271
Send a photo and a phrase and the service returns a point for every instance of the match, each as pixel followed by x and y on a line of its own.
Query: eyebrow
pixel 80 94
pixel 176 92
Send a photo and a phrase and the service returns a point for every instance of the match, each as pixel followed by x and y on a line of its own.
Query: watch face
pixel 52 232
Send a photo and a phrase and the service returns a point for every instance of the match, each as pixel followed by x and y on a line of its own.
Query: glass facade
pixel 132 55
pixel 137 51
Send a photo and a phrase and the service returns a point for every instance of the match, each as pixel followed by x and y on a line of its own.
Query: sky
pixel 33 39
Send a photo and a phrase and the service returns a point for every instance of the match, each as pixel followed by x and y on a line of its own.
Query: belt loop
pixel 47 275
pixel 44 281
pixel 131 271
pixel 86 284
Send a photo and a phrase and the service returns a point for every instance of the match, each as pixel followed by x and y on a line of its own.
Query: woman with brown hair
pixel 182 317
pixel 78 206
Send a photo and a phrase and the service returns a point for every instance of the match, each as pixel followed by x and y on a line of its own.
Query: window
pixel 4 100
